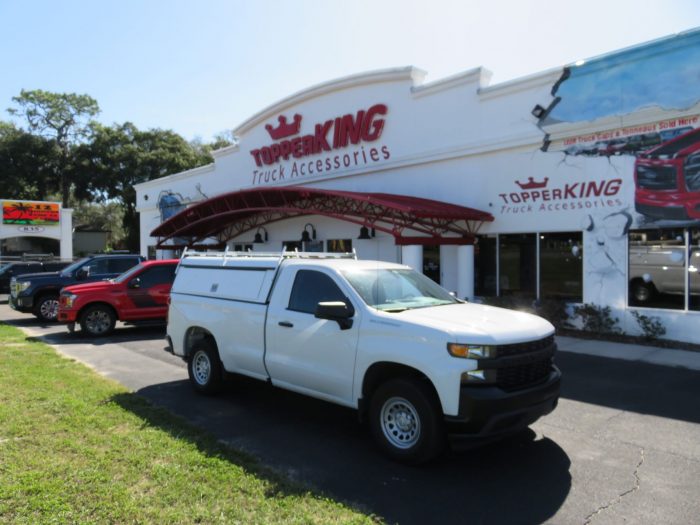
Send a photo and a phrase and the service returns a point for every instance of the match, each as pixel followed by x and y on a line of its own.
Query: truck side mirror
pixel 135 283
pixel 83 273
pixel 338 311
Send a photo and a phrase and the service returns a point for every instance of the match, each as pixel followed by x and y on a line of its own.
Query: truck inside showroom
pixel 574 175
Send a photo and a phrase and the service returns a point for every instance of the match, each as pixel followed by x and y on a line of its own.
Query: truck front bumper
pixel 21 304
pixel 489 413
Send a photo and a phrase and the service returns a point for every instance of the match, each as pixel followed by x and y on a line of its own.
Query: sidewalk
pixel 630 352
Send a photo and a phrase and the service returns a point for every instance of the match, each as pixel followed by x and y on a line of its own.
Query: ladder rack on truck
pixel 281 255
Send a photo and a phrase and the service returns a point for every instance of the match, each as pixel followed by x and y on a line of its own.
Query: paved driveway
pixel 622 447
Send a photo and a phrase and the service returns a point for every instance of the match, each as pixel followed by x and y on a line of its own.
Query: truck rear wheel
pixel 204 369
pixel 406 421
pixel 642 291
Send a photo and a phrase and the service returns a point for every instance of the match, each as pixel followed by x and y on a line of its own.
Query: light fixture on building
pixel 538 111
pixel 365 234
pixel 259 238
pixel 305 233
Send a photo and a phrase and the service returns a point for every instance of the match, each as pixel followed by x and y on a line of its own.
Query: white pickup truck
pixel 418 364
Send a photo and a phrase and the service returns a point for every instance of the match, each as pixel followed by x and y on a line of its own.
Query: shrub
pixel 554 311
pixel 597 319
pixel 651 327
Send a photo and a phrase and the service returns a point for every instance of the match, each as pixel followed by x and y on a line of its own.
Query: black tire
pixel 205 370
pixel 642 292
pixel 406 421
pixel 97 320
pixel 46 308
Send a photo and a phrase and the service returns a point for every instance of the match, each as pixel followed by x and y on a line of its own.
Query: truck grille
pixel 522 365
pixel 521 376
pixel 656 178
pixel 523 348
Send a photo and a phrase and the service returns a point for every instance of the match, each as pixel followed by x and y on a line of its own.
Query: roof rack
pixel 281 255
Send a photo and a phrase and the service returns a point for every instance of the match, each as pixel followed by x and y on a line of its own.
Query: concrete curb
pixel 628 352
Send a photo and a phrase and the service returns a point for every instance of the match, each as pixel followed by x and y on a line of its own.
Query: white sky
pixel 201 67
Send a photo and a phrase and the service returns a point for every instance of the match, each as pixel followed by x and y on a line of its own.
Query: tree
pixel 120 156
pixel 65 118
pixel 27 164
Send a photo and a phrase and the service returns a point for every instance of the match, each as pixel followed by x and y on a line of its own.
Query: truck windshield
pixel 128 274
pixel 68 270
pixel 395 290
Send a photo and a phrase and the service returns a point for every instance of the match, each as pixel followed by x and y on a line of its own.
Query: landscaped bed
pixel 77 448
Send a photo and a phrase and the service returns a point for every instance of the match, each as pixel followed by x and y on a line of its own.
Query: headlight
pixel 23 285
pixel 471 351
pixel 67 300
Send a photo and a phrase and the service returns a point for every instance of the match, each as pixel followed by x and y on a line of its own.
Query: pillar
pixel 465 271
pixel 412 255
pixel 66 239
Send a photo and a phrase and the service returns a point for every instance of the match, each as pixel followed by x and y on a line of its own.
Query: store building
pixel 36 227
pixel 580 183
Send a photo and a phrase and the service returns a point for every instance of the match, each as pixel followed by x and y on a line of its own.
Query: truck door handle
pixel 286 324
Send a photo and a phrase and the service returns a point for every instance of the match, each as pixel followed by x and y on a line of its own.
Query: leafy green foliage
pixel 120 156
pixel 62 118
pixel 652 327
pixel 27 164
pixel 597 319
pixel 59 150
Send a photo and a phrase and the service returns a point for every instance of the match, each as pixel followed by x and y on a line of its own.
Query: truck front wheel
pixel 406 421
pixel 97 320
pixel 46 308
pixel 204 369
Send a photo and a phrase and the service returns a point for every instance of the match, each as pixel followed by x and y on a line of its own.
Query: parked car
pixel 139 294
pixel 661 268
pixel 8 270
pixel 37 293
pixel 418 364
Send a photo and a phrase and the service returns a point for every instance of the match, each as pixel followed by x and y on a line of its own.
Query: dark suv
pixel 8 270
pixel 37 293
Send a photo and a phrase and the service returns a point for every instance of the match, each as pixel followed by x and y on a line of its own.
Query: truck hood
pixel 478 324
pixel 42 277
pixel 95 286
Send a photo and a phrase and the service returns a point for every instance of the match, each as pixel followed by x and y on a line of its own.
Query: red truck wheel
pixel 97 320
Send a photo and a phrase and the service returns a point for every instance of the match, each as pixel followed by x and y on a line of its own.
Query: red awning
pixel 229 215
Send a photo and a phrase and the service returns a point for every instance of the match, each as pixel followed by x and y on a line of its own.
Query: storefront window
pixel 339 245
pixel 518 265
pixel 431 262
pixel 243 247
pixel 561 266
pixel 485 266
pixel 657 262
pixel 694 268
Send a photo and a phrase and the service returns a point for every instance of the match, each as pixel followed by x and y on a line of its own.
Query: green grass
pixel 78 448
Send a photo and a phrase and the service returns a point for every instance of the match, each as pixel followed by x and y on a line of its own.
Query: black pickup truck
pixel 37 293
pixel 11 269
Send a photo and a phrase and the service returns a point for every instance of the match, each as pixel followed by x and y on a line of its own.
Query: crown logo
pixel 532 185
pixel 284 129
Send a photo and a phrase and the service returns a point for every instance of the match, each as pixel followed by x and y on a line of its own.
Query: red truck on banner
pixel 667 179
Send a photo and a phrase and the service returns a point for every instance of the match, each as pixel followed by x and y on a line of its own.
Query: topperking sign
pixel 335 144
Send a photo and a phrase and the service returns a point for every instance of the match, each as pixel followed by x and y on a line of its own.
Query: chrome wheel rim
pixel 201 367
pixel 642 293
pixel 49 309
pixel 98 322
pixel 400 423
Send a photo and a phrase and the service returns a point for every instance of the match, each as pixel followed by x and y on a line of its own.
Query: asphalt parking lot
pixel 622 447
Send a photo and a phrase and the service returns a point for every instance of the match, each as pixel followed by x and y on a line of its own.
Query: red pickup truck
pixel 667 179
pixel 139 294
